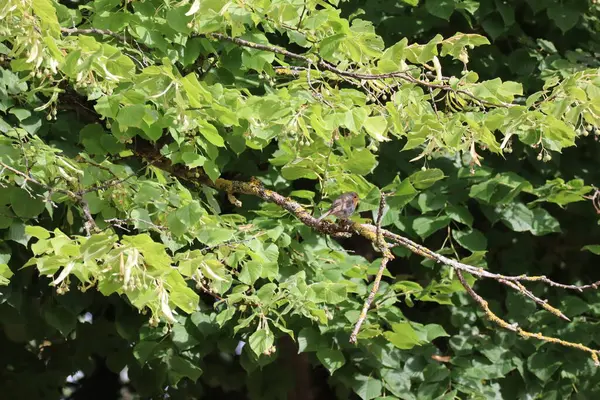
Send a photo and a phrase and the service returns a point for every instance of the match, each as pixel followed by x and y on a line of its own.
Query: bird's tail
pixel 328 213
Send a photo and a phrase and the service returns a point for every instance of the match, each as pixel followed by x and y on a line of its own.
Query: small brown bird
pixel 342 207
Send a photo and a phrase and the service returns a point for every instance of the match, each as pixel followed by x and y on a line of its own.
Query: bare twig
pixel 301 15
pixel 120 223
pixel 110 183
pixel 106 32
pixel 518 286
pixel 78 196
pixel 255 188
pixel 89 220
pixel 595 198
pixel 387 256
pixel 480 272
pixel 351 74
pixel 515 328
pixel 320 63
pixel 29 178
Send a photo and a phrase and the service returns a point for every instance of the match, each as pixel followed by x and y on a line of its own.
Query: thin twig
pixel 480 272
pixel 78 196
pixel 301 15
pixel 403 75
pixel 106 32
pixel 387 256
pixel 120 223
pixel 89 223
pixel 515 328
pixel 351 74
pixel 29 178
pixel 518 286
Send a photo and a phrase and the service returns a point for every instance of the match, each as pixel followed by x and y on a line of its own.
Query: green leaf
pixel 376 127
pixel 37 232
pixel 180 367
pixel 516 216
pixel 94 202
pixel 440 8
pixel 396 381
pixel 424 179
pixel 366 387
pixel 198 95
pixel 299 169
pixel 211 170
pixel 24 204
pixel 16 233
pixel 145 351
pixel 493 26
pixel 193 160
pixel 435 373
pixel 472 240
pixel 97 246
pixel 459 214
pixel 309 340
pixel 210 133
pixel 563 16
pixel 45 10
pixel 328 292
pixel 573 306
pixel 594 248
pixel 212 236
pixel 426 226
pixel 225 316
pixel 60 318
pixel 181 337
pixel 131 115
pixel 5 274
pixel 5 271
pixel 332 359
pixel 184 298
pixel 261 341
pixel 361 162
pixel 543 364
pixel 544 223
pixel 177 19
pixel 403 193
pixel 432 332
pixel 250 272
pixel 403 336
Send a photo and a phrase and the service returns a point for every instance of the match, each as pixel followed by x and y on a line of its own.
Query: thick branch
pixel 368 231
pixel 377 236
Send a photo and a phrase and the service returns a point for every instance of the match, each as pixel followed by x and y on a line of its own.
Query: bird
pixel 342 207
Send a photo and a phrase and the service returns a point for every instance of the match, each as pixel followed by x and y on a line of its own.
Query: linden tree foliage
pixel 123 121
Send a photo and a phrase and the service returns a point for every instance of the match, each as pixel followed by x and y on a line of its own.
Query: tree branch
pixel 350 74
pixel 515 328
pixel 320 63
pixel 105 32
pixel 377 236
pixel 89 225
pixel 387 256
